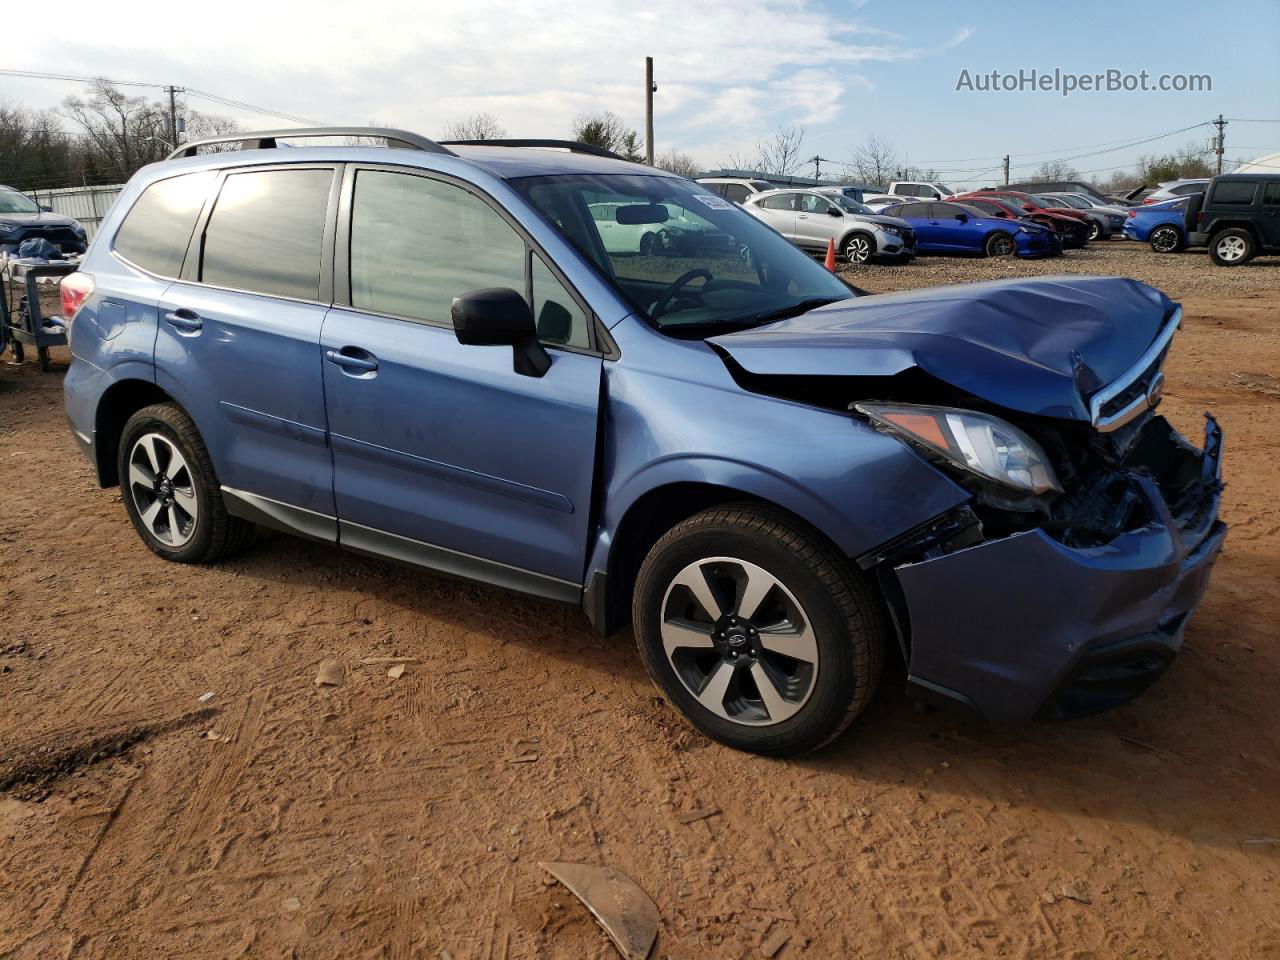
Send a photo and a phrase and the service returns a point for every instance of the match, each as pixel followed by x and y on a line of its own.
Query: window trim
pixel 186 250
pixel 599 344
pixel 192 266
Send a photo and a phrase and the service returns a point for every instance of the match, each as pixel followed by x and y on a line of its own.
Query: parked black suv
pixel 1238 217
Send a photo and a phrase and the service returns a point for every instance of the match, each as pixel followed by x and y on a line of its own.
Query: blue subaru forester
pixel 536 365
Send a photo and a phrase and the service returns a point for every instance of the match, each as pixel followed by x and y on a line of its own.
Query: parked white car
pixel 736 189
pixel 681 231
pixel 1172 189
pixel 919 188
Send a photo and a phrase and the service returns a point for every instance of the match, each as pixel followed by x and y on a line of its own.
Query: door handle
pixel 187 321
pixel 804 216
pixel 349 359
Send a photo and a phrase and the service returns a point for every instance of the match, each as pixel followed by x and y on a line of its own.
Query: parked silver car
pixel 1104 221
pixel 811 219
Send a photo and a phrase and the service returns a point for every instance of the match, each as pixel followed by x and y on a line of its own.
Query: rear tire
pixel 1095 231
pixel 1166 239
pixel 1232 247
pixel 170 490
pixel 1000 244
pixel 794 649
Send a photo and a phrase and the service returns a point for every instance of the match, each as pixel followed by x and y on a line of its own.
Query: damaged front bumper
pixel 1026 627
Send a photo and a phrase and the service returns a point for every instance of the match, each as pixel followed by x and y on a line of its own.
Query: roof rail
pixel 266 139
pixel 573 146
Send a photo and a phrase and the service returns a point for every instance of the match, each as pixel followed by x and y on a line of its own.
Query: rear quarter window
pixel 157 229
pixel 1234 192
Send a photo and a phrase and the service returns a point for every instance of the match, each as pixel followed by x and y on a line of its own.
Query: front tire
pixel 1095 231
pixel 757 630
pixel 1232 247
pixel 170 490
pixel 858 248
pixel 1000 244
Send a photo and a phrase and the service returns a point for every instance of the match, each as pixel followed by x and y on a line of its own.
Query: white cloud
pixel 726 69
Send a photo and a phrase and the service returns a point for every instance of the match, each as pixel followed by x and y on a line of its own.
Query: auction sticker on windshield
pixel 714 202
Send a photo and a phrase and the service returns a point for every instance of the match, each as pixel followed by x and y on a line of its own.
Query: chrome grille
pixel 1130 394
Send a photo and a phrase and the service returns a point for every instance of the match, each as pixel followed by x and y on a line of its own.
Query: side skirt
pixel 390 546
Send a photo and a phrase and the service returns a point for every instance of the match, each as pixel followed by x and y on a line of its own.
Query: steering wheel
pixel 660 305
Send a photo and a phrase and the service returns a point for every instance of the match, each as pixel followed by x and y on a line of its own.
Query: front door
pixel 238 341
pixel 442 453
pixel 815 222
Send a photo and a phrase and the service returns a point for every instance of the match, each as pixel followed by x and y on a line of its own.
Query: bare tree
pixel 478 126
pixel 678 163
pixel 1056 170
pixel 875 160
pixel 780 153
pixel 608 130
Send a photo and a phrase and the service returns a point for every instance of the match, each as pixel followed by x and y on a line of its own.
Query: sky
pixel 729 72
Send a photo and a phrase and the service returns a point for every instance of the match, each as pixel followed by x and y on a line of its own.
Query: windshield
pixel 1049 201
pixel 690 261
pixel 13 202
pixel 1016 202
pixel 943 189
pixel 1069 201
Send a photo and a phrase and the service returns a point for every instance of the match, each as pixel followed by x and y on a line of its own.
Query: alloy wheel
pixel 163 489
pixel 1095 230
pixel 739 641
pixel 1001 247
pixel 1164 240
pixel 1231 249
pixel 857 250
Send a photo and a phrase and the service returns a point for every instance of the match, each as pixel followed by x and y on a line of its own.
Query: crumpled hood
pixel 1039 346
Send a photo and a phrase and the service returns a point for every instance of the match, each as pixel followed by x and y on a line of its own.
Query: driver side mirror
pixel 497 317
pixel 834 212
pixel 962 217
pixel 45 208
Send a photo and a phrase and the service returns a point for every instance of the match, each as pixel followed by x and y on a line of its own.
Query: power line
pixel 203 94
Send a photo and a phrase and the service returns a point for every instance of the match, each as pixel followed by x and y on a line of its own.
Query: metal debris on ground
pixel 693 816
pixel 205 697
pixel 379 661
pixel 625 911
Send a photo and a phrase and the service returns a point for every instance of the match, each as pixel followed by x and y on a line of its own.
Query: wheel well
pixel 647 521
pixel 120 402
pixel 1220 225
pixel 859 232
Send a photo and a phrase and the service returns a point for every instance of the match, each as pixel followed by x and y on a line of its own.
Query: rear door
pixel 239 333
pixel 778 210
pixel 1269 213
pixel 444 455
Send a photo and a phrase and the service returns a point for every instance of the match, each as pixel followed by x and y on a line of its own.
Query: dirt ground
pixel 406 817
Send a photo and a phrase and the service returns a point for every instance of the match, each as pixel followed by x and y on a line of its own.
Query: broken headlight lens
pixel 981 444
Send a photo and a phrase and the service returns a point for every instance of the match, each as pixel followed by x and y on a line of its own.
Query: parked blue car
pixel 430 355
pixel 959 228
pixel 1159 224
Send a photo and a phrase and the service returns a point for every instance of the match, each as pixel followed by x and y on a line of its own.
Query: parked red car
pixel 1068 221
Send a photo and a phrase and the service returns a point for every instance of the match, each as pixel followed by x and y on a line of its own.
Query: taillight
pixel 1133 214
pixel 74 291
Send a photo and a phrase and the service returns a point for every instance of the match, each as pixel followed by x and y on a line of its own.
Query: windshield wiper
pixel 794 310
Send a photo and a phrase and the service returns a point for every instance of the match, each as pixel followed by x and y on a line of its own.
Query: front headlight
pixel 975 442
pixel 890 228
pixel 7 228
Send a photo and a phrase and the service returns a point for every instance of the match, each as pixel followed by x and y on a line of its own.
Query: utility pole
pixel 1221 125
pixel 173 114
pixel 650 88
pixel 817 166
pixel 1005 175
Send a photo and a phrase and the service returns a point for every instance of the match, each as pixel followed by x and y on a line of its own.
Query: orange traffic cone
pixel 831 255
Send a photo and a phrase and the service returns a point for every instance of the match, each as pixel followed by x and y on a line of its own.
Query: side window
pixel 811 204
pixel 780 201
pixel 919 211
pixel 266 231
pixel 1271 194
pixel 156 231
pixel 417 243
pixel 736 192
pixel 559 318
pixel 906 190
pixel 1234 191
